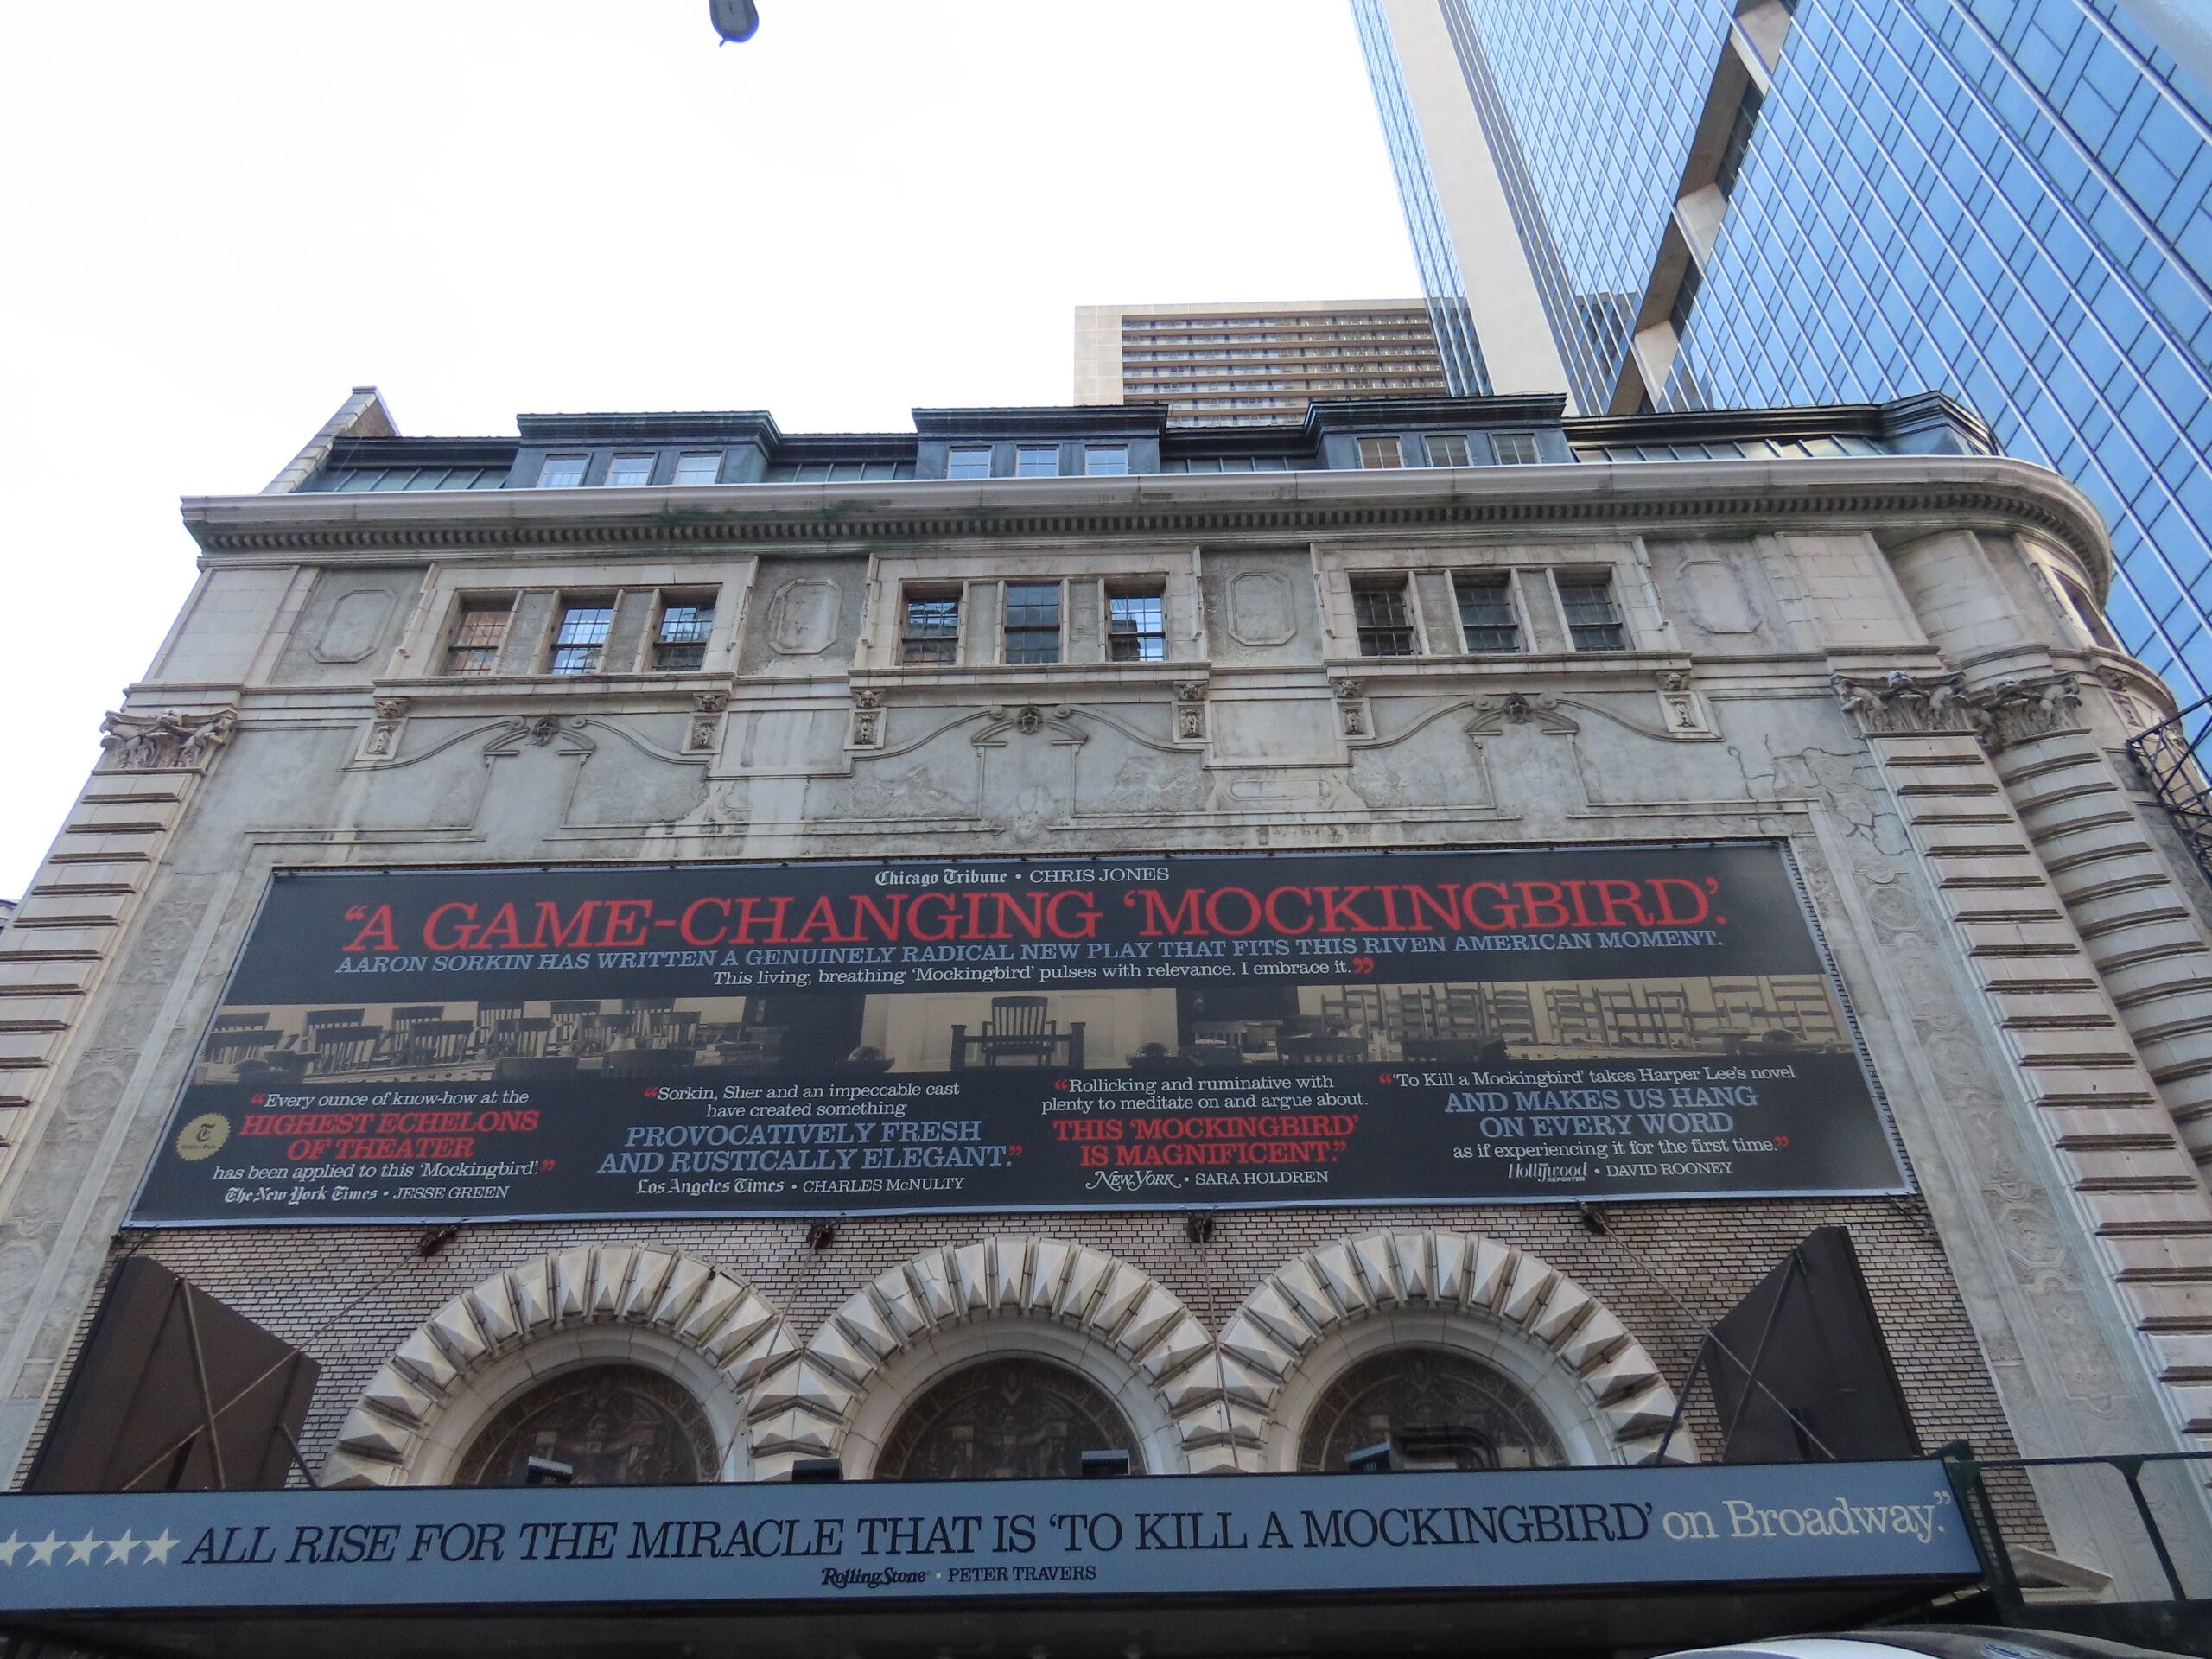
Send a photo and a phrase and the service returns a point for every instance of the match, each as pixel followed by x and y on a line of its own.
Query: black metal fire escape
pixel 2166 755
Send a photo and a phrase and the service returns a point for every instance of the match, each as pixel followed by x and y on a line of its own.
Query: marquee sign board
pixel 1258 1534
pixel 1647 1022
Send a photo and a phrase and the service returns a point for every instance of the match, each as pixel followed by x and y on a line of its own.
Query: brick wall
pixel 352 1295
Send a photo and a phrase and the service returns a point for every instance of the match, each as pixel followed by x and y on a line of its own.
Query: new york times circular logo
pixel 203 1137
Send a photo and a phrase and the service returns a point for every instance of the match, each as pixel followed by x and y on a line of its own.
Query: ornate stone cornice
pixel 1874 493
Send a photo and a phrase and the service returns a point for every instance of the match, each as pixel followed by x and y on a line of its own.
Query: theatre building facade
pixel 634 1014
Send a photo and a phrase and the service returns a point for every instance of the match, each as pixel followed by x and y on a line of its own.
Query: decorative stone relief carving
pixel 383 730
pixel 1191 708
pixel 2013 711
pixel 2009 712
pixel 355 624
pixel 1520 709
pixel 1029 719
pixel 169 742
pixel 803 617
pixel 1351 706
pixel 1717 601
pixel 1904 703
pixel 705 730
pixel 697 1306
pixel 1682 709
pixel 867 718
pixel 1261 610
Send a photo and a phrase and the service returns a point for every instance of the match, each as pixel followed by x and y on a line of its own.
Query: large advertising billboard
pixel 1361 1027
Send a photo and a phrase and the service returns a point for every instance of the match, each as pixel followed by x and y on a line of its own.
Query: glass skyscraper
pixel 1676 204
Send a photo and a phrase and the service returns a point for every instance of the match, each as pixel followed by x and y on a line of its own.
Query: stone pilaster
pixel 2075 1058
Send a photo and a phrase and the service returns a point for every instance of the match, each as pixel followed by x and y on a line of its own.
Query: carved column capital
pixel 165 742
pixel 1899 704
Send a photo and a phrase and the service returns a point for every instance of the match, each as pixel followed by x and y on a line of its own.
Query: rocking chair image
pixel 1019 1032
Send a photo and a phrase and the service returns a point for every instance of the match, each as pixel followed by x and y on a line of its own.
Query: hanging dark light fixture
pixel 735 20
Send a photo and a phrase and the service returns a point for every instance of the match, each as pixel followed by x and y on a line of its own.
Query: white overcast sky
pixel 223 213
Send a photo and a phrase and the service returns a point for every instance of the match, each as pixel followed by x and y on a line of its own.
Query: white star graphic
pixel 9 1549
pixel 157 1549
pixel 80 1550
pixel 118 1550
pixel 43 1551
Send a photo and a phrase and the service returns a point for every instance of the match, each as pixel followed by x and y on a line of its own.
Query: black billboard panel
pixel 712 1038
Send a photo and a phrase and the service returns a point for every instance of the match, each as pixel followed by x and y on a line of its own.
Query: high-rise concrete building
pixel 1254 364
pixel 1679 204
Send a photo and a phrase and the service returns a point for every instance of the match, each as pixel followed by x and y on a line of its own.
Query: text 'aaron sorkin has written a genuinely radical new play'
pixel 1655 1020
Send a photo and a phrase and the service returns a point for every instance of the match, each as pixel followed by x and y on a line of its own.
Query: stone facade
pixel 1873 659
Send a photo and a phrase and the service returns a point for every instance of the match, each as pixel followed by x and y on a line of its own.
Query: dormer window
pixel 1514 448
pixel 1106 460
pixel 561 472
pixel 1037 460
pixel 702 467
pixel 967 461
pixel 1445 449
pixel 629 472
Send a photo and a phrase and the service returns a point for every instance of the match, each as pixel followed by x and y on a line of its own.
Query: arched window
pixel 1004 1420
pixel 1439 1409
pixel 615 1425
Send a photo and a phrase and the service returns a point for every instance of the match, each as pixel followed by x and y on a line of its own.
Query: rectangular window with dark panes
pixel 1037 460
pixel 561 472
pixel 1033 622
pixel 1593 621
pixel 629 472
pixel 478 635
pixel 1136 628
pixel 967 461
pixel 929 632
pixel 581 640
pixel 1514 448
pixel 1385 624
pixel 702 467
pixel 1381 452
pixel 1486 619
pixel 1445 449
pixel 680 641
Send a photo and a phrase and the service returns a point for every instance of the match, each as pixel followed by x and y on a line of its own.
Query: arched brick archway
pixel 1020 1295
pixel 1315 1316
pixel 595 1304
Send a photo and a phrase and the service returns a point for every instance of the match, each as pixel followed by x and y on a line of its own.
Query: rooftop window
pixel 561 472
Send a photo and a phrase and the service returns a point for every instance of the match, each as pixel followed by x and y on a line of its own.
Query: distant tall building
pixel 1720 203
pixel 1252 365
